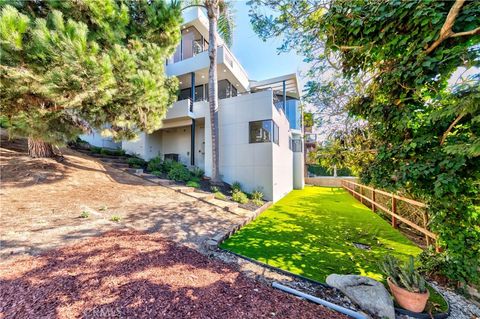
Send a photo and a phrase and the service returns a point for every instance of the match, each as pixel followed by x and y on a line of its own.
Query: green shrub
pixel 167 166
pixel 95 149
pixel 104 151
pixel 136 162
pixel 193 184
pixel 118 152
pixel 195 179
pixel 256 195
pixel 84 214
pixel 219 195
pixel 197 172
pixel 257 202
pixel 236 186
pixel 214 189
pixel 155 164
pixel 178 172
pixel 157 173
pixel 239 197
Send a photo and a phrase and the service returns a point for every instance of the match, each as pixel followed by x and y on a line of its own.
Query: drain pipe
pixel 322 302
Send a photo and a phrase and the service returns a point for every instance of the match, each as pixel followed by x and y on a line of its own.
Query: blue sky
pixel 260 59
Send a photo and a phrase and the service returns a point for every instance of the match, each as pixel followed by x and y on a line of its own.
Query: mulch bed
pixel 137 275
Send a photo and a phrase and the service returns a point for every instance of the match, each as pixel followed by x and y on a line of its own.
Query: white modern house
pixel 260 122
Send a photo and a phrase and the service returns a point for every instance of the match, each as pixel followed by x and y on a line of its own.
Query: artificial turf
pixel 311 232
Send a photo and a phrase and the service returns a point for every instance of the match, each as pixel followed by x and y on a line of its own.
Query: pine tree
pixel 68 67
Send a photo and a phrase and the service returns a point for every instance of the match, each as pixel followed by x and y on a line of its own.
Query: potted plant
pixel 407 286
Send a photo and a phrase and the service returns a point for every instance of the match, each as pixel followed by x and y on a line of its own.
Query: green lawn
pixel 311 232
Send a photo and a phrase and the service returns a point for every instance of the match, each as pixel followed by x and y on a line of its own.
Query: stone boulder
pixel 367 293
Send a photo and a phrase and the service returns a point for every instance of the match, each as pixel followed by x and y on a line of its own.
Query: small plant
pixel 193 184
pixel 157 173
pixel 219 195
pixel 118 152
pixel 95 149
pixel 197 172
pixel 214 189
pixel 236 186
pixel 167 165
pixel 239 197
pixel 155 164
pixel 178 172
pixel 84 214
pixel 104 151
pixel 404 275
pixel 115 218
pixel 136 162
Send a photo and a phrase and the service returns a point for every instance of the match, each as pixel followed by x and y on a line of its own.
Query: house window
pixel 263 131
pixel 297 146
pixel 275 134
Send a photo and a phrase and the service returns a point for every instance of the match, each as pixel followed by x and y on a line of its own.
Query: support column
pixel 285 97
pixel 192 134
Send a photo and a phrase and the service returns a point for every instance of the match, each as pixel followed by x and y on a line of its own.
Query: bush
pixel 155 164
pixel 178 172
pixel 236 186
pixel 219 195
pixel 115 218
pixel 136 162
pixel 193 184
pixel 197 172
pixel 95 149
pixel 256 195
pixel 239 197
pixel 214 189
pixel 157 173
pixel 167 166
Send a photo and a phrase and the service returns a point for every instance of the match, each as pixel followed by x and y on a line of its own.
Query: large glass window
pixel 263 131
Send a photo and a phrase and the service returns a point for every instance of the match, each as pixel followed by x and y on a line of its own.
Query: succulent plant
pixel 404 274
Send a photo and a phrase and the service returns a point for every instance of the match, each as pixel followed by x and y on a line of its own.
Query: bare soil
pixel 135 275
pixel 42 200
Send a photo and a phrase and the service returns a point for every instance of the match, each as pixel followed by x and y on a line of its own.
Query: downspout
pixel 319 301
pixel 192 129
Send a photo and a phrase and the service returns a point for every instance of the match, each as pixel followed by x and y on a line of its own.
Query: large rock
pixel 366 292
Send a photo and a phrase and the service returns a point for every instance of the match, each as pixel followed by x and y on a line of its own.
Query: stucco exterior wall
pixel 328 181
pixel 136 146
pixel 249 164
pixel 96 139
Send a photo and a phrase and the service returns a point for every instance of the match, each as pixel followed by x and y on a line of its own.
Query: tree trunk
pixel 334 170
pixel 212 12
pixel 38 148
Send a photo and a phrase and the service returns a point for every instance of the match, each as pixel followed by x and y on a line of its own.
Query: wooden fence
pixel 400 209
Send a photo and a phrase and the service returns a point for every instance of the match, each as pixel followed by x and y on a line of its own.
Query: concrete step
pixel 184 189
pixel 158 180
pixel 120 165
pixel 228 206
pixel 204 196
pixel 136 171
pixel 242 211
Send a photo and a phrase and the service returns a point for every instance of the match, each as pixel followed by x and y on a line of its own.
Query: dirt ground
pixel 134 275
pixel 42 200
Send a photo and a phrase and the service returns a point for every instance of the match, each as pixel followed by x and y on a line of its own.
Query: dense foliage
pixel 404 59
pixel 71 66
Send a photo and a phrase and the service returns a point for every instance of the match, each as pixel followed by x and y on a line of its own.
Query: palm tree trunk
pixel 38 148
pixel 212 12
pixel 334 170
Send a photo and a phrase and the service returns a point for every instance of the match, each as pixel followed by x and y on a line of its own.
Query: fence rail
pixel 401 209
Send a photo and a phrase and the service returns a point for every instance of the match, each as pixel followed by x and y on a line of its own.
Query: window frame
pixel 273 136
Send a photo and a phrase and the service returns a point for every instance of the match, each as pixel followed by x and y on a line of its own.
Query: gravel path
pixel 460 308
pixel 137 275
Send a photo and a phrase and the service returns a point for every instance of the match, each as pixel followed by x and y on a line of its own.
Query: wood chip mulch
pixel 136 275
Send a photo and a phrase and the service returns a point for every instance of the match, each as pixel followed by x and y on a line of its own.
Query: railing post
pixel 373 200
pixel 361 193
pixel 394 210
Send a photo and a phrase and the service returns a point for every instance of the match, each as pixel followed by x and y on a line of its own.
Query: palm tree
pixel 220 19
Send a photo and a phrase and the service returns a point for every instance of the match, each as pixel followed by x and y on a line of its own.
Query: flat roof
pixel 276 84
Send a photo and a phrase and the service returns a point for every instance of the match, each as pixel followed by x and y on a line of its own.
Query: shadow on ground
pixel 133 275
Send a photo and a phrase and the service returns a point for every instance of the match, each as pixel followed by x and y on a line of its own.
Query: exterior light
pixel 203 76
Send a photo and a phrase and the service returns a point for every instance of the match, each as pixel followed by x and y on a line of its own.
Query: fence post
pixel 373 199
pixel 361 193
pixel 394 210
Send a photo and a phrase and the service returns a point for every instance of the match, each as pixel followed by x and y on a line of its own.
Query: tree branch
pixel 444 136
pixel 465 33
pixel 446 31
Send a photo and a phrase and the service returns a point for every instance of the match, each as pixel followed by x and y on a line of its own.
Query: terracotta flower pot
pixel 412 301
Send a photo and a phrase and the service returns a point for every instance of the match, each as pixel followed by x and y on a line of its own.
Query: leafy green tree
pixel 402 57
pixel 68 67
